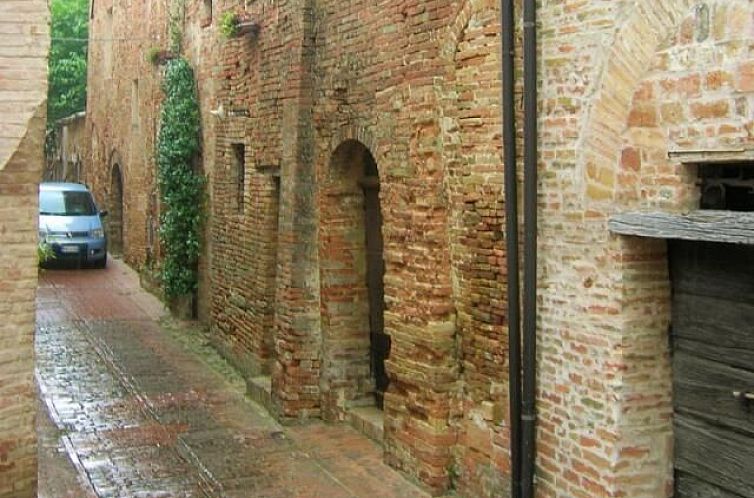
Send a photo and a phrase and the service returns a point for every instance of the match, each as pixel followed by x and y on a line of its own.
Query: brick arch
pixel 640 299
pixel 346 377
pixel 115 158
pixel 627 62
pixel 457 28
pixel 354 133
pixel 115 222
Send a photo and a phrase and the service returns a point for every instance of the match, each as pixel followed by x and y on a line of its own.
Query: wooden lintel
pixel 730 227
pixel 699 156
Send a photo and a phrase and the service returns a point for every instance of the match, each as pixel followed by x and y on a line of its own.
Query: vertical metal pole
pixel 528 418
pixel 511 240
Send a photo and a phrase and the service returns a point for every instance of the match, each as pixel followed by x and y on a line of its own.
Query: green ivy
pixel 181 189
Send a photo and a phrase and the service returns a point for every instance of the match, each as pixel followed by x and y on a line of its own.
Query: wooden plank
pixel 714 321
pixel 713 356
pixel 704 388
pixel 710 269
pixel 720 457
pixel 733 356
pixel 713 226
pixel 688 486
pixel 716 156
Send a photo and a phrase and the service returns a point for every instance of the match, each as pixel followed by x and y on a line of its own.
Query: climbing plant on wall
pixel 181 188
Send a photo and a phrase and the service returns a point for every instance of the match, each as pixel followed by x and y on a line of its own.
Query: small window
pixel 91 10
pixel 728 187
pixel 238 173
pixel 135 103
pixel 206 18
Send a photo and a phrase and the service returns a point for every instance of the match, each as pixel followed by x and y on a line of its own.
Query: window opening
pixel 206 13
pixel 135 103
pixel 728 187
pixel 239 173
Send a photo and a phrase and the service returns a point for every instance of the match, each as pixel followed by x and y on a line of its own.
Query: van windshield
pixel 62 203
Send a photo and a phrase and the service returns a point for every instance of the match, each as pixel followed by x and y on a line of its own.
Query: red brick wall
pixel 117 58
pixel 472 147
pixel 23 89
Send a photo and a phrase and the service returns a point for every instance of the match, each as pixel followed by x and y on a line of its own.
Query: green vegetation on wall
pixel 229 24
pixel 181 188
pixel 68 54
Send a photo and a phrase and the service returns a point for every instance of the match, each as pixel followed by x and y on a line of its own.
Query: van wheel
pixel 102 263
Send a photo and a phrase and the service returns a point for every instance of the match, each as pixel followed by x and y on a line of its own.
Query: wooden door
pixel 713 369
pixel 379 341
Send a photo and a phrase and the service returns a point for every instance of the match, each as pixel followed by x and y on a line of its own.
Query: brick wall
pixel 605 392
pixel 472 153
pixel 24 42
pixel 325 84
pixel 122 128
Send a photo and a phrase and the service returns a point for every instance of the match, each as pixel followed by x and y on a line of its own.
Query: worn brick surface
pixel 24 42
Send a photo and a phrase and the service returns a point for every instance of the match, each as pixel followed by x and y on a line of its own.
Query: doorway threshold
pixel 369 421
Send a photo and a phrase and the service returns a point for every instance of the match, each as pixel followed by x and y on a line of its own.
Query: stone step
pixel 260 390
pixel 368 420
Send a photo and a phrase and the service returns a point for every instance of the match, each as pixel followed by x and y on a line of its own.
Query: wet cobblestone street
pixel 134 405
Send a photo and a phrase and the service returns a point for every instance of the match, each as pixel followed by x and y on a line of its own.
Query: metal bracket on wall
pixel 743 396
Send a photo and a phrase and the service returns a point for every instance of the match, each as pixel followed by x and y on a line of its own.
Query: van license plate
pixel 69 249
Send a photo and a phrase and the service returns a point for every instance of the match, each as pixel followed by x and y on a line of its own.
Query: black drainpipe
pixel 529 415
pixel 511 241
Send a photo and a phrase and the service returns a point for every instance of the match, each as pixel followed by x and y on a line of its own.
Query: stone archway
pixel 115 212
pixel 627 61
pixel 636 335
pixel 351 278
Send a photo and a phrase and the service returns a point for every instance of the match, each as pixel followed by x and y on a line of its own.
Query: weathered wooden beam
pixel 710 226
pixel 714 156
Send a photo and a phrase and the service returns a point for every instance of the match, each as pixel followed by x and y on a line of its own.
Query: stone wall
pixel 657 85
pixel 293 112
pixel 122 111
pixel 24 43
pixel 70 148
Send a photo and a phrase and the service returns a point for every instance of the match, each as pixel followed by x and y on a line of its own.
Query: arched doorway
pixel 375 267
pixel 115 214
pixel 352 274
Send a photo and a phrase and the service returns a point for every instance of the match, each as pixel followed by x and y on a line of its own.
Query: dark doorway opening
pixel 115 213
pixel 379 341
pixel 273 224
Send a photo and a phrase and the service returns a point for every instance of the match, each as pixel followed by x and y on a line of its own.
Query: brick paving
pixel 140 407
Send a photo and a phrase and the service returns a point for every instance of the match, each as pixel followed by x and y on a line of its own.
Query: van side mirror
pixel 103 213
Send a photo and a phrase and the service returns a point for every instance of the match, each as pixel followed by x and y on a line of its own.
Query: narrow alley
pixel 134 405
